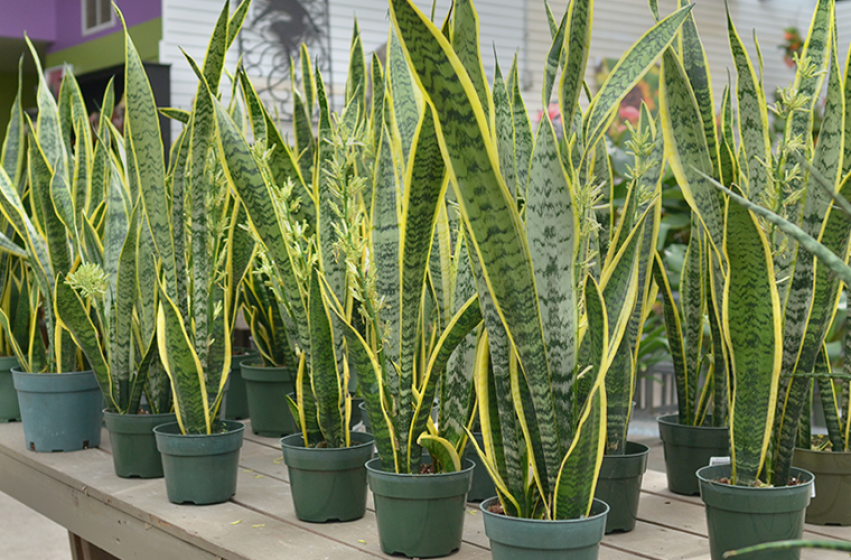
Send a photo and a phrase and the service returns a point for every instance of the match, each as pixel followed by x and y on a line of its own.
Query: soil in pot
pixel 513 538
pixel 688 448
pixel 328 484
pixel 200 469
pixel 420 516
pixel 134 446
pixel 267 389
pixel 236 407
pixel 619 485
pixel 9 409
pixel 738 516
pixel 60 411
pixel 832 502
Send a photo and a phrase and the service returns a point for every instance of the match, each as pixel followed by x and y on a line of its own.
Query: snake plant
pixel 193 220
pixel 290 208
pixel 104 305
pixel 14 272
pixel 556 305
pixel 51 225
pixel 771 303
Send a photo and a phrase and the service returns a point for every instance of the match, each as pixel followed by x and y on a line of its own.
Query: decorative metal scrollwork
pixel 271 39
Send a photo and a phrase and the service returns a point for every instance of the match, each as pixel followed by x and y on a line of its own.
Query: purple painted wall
pixel 69 14
pixel 36 17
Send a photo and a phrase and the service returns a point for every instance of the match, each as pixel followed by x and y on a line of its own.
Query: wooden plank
pixel 132 518
pixel 649 540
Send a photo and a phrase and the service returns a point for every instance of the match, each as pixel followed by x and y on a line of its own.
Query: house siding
pixel 188 24
pixel 619 23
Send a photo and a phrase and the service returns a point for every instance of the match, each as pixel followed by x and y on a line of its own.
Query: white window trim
pixel 100 27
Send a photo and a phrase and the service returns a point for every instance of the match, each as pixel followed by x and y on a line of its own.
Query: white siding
pixel 619 23
pixel 188 24
pixel 502 24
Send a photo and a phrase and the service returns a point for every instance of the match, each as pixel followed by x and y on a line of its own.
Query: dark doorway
pixel 93 85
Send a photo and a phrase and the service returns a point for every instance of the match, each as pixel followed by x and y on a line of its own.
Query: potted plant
pixel 270 376
pixel 235 402
pixel 192 216
pixel 698 430
pixel 540 380
pixel 111 315
pixel 632 245
pixel 60 402
pixel 830 268
pixel 325 459
pixel 766 350
pixel 14 297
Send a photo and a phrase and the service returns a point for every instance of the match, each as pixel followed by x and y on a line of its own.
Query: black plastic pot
pixel 619 485
pixel 9 409
pixel 267 389
pixel 236 405
pixel 328 484
pixel 688 448
pixel 513 538
pixel 741 516
pixel 419 516
pixel 832 504
pixel 200 469
pixel 60 411
pixel 482 487
pixel 134 446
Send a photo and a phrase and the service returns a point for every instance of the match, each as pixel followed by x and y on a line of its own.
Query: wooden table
pixel 132 518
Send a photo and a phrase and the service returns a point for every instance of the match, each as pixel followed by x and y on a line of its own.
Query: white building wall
pixel 188 24
pixel 619 23
pixel 502 25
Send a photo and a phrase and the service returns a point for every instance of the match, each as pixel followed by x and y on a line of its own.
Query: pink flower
pixel 629 113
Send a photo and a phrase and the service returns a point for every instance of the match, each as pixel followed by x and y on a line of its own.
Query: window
pixel 97 16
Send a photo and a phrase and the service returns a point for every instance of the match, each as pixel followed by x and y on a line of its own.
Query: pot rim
pixel 673 419
pixel 701 475
pixel 467 466
pixel 237 427
pixel 531 522
pixel 299 436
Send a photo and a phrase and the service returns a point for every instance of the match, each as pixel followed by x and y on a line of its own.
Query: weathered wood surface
pixel 132 518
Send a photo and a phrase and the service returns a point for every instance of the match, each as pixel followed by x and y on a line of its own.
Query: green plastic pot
pixel 200 468
pixel 267 389
pixel 741 516
pixel 328 484
pixel 236 403
pixel 688 448
pixel 512 538
pixel 832 504
pixel 419 516
pixel 134 446
pixel 619 485
pixel 9 409
pixel 482 487
pixel 60 411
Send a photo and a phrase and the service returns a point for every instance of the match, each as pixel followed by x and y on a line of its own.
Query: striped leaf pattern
pixel 751 324
pixel 552 226
pixel 753 118
pixel 485 203
pixel 628 71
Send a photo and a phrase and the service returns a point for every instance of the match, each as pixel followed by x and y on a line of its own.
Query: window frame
pixel 102 26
